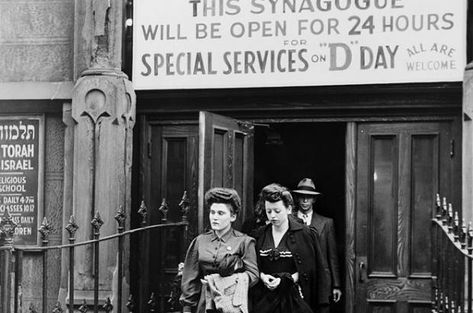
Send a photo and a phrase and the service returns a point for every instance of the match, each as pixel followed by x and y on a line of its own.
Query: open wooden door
pixel 225 160
pixel 400 167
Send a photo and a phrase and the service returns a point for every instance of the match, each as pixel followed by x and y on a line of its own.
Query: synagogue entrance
pixel 376 180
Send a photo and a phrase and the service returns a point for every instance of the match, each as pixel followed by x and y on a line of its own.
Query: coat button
pixel 299 261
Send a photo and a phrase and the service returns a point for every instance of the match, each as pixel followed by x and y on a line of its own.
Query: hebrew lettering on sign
pixel 13 132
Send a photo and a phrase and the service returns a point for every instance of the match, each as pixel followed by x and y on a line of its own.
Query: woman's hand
pixel 270 281
pixel 337 294
pixel 208 281
pixel 295 277
pixel 265 278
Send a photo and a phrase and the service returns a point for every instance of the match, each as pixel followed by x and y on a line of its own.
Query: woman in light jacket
pixel 207 250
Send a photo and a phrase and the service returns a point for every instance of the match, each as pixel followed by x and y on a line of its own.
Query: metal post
pixel 18 306
pixel 164 208
pixel 441 252
pixel 45 229
pixel 438 207
pixel 144 258
pixel 83 308
pixel 152 303
pixel 57 308
pixel 470 282
pixel 130 304
pixel 450 218
pixel 469 245
pixel 107 307
pixel 444 211
pixel 7 227
pixel 435 247
pixel 96 222
pixel 71 227
pixel 120 217
pixel 6 279
pixel 184 205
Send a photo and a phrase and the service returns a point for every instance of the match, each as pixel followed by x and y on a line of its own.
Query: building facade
pixel 378 147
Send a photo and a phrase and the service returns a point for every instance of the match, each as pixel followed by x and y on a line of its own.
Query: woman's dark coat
pixel 314 275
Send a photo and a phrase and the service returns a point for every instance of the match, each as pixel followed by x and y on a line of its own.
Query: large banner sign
pixel 21 167
pixel 265 43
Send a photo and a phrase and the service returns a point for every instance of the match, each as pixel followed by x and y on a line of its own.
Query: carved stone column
pixel 103 114
pixel 103 109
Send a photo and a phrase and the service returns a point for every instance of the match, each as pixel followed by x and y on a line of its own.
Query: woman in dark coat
pixel 293 273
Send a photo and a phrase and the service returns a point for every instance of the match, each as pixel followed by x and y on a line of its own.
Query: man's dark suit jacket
pixel 328 245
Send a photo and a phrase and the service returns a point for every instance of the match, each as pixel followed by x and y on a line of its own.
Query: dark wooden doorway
pixel 400 167
pixel 191 156
pixel 168 167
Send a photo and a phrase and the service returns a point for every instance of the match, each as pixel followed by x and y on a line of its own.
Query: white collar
pixel 307 219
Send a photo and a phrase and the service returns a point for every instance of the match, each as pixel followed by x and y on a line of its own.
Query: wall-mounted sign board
pixel 21 174
pixel 267 43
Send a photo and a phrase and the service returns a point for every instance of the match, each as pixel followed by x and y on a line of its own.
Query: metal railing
pixel 11 261
pixel 452 260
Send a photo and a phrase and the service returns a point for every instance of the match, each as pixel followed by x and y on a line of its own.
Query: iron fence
pixel 452 260
pixel 11 261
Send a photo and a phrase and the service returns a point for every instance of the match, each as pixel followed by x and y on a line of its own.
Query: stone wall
pixel 36 45
pixel 36 40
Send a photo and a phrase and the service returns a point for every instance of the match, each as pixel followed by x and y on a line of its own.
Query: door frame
pixel 350 205
pixel 350 170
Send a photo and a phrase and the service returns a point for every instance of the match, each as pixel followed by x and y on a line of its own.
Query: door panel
pixel 173 166
pixel 169 170
pixel 225 160
pixel 400 167
pixel 186 156
pixel 382 213
pixel 424 184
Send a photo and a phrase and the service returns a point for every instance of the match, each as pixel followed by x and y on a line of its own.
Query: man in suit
pixel 305 200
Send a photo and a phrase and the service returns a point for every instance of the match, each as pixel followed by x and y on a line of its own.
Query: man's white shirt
pixel 306 217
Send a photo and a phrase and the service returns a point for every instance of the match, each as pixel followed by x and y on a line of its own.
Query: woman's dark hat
pixel 306 187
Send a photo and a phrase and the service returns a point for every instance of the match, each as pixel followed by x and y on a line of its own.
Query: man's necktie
pixel 305 218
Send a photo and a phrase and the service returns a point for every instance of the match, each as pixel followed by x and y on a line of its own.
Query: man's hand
pixel 337 294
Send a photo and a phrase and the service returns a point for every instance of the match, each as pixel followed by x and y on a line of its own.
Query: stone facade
pixel 36 40
pixel 46 46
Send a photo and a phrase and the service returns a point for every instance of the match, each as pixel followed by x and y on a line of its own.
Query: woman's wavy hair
pixel 273 193
pixel 223 195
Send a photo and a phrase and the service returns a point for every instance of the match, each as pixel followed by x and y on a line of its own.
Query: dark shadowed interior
pixel 287 152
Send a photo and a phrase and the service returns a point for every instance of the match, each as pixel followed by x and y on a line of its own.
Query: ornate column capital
pixel 104 93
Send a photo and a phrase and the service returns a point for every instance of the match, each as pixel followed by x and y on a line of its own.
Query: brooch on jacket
pixel 274 254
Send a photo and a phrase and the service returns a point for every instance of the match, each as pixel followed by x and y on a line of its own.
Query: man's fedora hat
pixel 306 187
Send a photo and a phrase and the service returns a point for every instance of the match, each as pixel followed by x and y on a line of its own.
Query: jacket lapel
pixel 317 222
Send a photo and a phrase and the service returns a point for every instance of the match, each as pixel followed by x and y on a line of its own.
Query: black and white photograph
pixel 236 156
